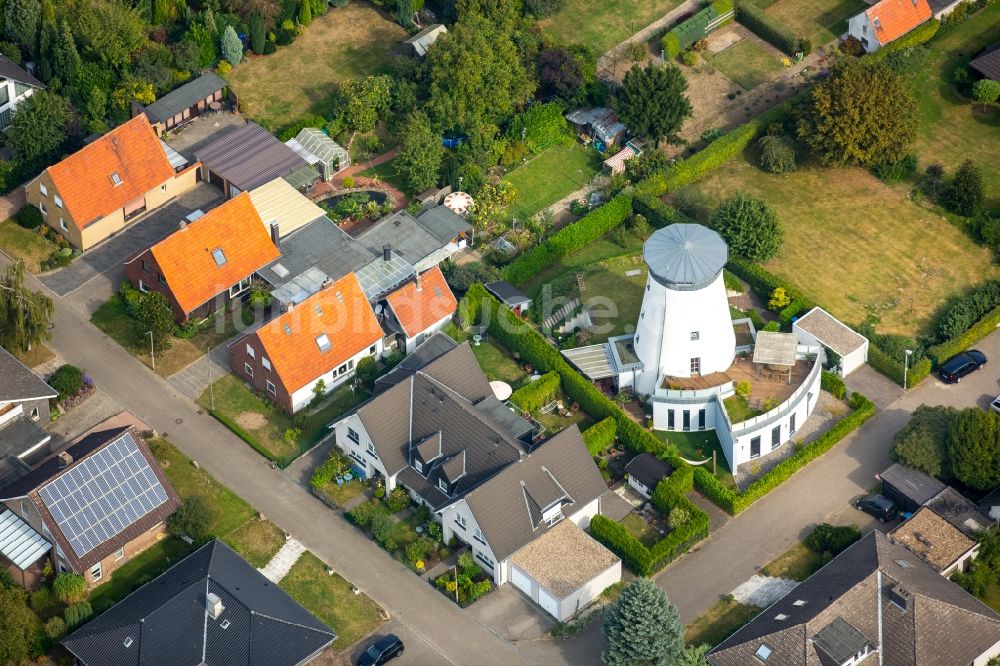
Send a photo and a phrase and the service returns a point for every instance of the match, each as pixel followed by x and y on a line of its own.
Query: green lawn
pixel 257 541
pixel 600 250
pixel 20 243
pixel 497 363
pixel 229 511
pixel 602 25
pixel 747 63
pixel 698 445
pixel 951 128
pixel 329 597
pixel 615 298
pixel 236 405
pixel 301 79
pixel 739 410
pixel 798 563
pixel 138 571
pixel 992 596
pixel 554 422
pixel 387 172
pixel 719 622
pixel 854 244
pixel 550 176
pixel 821 21
pixel 341 495
pixel 641 530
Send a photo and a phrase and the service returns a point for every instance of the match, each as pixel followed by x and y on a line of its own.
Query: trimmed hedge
pixel 833 384
pixel 619 541
pixel 763 281
pixel 893 369
pixel 942 352
pixel 915 37
pixel 600 436
pixel 587 229
pixel 658 213
pixel 736 503
pixel 767 27
pixel 534 395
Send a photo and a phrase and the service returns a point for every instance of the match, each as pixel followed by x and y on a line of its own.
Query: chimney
pixel 213 604
pixel 901 596
pixel 275 237
pixel 417 280
pixel 387 252
pixel 65 459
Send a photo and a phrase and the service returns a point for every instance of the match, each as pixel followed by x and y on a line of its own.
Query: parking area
pixel 416 648
pixel 147 231
pixel 513 616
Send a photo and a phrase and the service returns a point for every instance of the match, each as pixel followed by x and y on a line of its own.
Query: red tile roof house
pixel 419 309
pixel 206 263
pixel 886 21
pixel 321 339
pixel 105 186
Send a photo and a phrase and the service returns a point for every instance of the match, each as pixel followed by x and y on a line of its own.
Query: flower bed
pixel 471 585
pixel 415 540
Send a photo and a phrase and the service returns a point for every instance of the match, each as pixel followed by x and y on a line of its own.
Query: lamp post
pixel 906 366
pixel 152 356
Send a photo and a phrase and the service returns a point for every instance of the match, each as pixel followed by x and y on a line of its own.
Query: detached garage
pixel 820 327
pixel 564 570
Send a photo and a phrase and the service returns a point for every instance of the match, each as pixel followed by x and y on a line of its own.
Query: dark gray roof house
pixel 987 63
pixel 212 607
pixel 246 157
pixel 423 241
pixel 509 295
pixel 185 102
pixel 909 488
pixel 430 349
pixel 648 470
pixel 876 596
pixel 10 70
pixel 15 86
pixel 444 223
pixel 24 406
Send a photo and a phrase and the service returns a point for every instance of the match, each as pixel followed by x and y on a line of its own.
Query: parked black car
pixel 879 506
pixel 958 366
pixel 381 651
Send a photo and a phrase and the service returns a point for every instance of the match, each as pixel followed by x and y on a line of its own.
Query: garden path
pixel 283 561
pixel 194 379
pixel 11 203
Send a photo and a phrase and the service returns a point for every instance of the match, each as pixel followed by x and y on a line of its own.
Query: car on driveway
pixel 958 366
pixel 995 405
pixel 877 505
pixel 381 651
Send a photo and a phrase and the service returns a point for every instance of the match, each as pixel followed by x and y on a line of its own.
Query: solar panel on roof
pixel 111 492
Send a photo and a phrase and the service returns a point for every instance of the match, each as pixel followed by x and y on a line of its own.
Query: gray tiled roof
pixel 648 470
pixel 942 625
pixel 444 223
pixel 19 435
pixel 185 97
pixel 249 156
pixel 959 511
pixel 916 485
pixel 430 349
pixel 507 293
pixel 167 621
pixel 18 383
pixel 405 234
pixel 8 70
pixel 988 62
pixel 319 244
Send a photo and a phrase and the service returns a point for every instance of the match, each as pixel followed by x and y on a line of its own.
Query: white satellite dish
pixel 477 339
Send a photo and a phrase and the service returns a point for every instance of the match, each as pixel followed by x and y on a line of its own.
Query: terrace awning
pixel 772 348
pixel 19 543
pixel 594 361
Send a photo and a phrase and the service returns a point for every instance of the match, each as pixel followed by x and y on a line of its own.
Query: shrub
pixel 382 525
pixel 192 519
pixel 660 214
pixel 749 226
pixel 77 614
pixel 671 45
pixel 826 538
pixel 767 27
pixel 678 516
pixel 777 153
pixel 772 327
pixel 335 465
pixel 70 588
pixel 55 628
pixel 894 172
pixel 534 395
pixel 923 441
pixel 29 217
pixel 833 385
pixel 742 388
pixel 965 195
pixel 915 37
pixel 966 311
pixel 416 550
pixel 637 51
pixel 689 58
pixel 398 499
pixel 67 380
pixel 779 299
pixel 600 436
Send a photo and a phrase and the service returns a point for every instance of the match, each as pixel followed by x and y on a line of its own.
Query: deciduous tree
pixel 986 91
pixel 366 101
pixel 749 226
pixel 642 627
pixel 974 448
pixel 19 626
pixel 152 313
pixel 965 195
pixel 24 314
pixel 923 441
pixel 651 101
pixel 420 153
pixel 492 202
pixel 863 115
pixel 777 153
pixel 566 72
pixel 111 31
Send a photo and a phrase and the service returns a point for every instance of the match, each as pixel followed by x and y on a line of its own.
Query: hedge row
pixel 587 229
pixel 915 37
pixel 761 280
pixel 894 369
pixel 534 395
pixel 765 26
pixel 656 212
pixel 833 384
pixel 736 503
pixel 600 436
pixel 942 352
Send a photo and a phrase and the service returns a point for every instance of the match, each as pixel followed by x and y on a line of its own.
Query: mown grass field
pixel 821 21
pixel 550 176
pixel 20 243
pixel 602 25
pixel 747 63
pixel 854 244
pixel 301 79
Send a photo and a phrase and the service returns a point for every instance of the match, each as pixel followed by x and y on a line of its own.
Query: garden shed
pixel 645 472
pixel 820 327
pixel 315 147
pixel 564 570
pixel 184 103
pixel 909 488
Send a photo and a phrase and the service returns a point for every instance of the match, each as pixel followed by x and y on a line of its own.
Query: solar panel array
pixel 103 494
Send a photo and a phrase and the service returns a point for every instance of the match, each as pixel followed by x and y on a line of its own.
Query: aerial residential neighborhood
pixel 509 332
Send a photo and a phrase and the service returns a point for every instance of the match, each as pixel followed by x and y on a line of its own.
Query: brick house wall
pixel 137 545
pixel 144 273
pixel 264 380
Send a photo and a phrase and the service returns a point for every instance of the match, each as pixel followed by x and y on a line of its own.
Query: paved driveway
pixel 148 231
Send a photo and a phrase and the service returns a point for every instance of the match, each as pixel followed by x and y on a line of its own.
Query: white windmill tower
pixel 684 328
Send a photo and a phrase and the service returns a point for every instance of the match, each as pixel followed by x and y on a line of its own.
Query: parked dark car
pixel 879 506
pixel 381 651
pixel 958 366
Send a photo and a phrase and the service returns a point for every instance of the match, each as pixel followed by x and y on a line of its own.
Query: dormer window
pixel 116 179
pixel 417 465
pixel 443 485
pixel 553 515
pixel 877 24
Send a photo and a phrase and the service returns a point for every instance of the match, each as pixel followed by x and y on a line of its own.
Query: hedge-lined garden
pixel 534 395
pixel 771 30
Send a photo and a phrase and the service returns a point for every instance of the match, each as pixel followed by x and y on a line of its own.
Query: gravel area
pixel 762 591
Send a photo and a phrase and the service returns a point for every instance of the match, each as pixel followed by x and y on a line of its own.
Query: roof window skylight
pixel 324 342
pixel 116 179
pixel 763 652
pixel 219 256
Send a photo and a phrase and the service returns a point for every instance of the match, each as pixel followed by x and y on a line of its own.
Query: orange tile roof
pixel 341 312
pixel 417 310
pixel 897 17
pixel 187 260
pixel 84 179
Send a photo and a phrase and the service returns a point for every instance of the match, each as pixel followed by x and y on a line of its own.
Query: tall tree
pixel 651 101
pixel 21 22
pixel 269 10
pixel 19 626
pixel 749 226
pixel 863 114
pixel 642 628
pixel 257 34
pixel 305 12
pixel 366 101
pixel 111 31
pixel 231 46
pixel 965 195
pixel 974 448
pixel 492 201
pixel 420 153
pixel 39 126
pixel 24 314
pixel 923 441
pixel 476 77
pixel 153 314
pixel 404 12
pixel 65 57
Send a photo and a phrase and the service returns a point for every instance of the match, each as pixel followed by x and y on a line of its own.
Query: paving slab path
pixel 283 561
